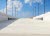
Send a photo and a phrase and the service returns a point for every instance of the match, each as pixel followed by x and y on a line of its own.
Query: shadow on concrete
pixel 40 18
pixel 6 23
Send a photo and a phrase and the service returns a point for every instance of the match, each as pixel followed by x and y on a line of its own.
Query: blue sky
pixel 27 10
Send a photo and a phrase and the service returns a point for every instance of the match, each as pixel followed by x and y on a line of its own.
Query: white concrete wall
pixel 40 16
pixel 46 17
pixel 3 17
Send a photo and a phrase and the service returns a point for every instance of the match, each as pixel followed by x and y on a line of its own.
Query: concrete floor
pixel 25 26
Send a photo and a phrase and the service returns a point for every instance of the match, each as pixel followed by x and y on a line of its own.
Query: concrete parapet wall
pixel 3 17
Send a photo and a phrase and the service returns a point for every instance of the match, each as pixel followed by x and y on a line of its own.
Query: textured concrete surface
pixel 25 26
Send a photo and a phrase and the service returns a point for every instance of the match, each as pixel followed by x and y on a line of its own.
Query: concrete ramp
pixel 26 26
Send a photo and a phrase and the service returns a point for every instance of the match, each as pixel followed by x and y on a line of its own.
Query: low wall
pixel 3 17
pixel 47 17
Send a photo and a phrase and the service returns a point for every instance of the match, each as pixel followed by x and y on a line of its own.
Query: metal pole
pixel 44 6
pixel 6 6
pixel 15 11
pixel 12 8
pixel 35 10
pixel 38 8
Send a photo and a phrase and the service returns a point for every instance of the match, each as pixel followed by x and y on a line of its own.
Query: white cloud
pixel 9 0
pixel 16 4
pixel 26 1
pixel 33 1
pixel 38 1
